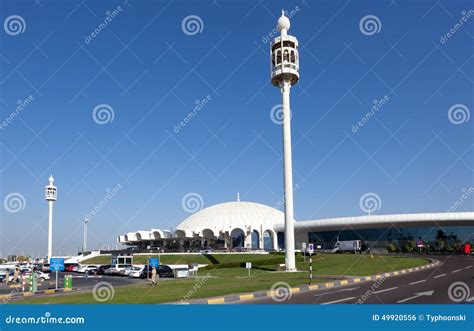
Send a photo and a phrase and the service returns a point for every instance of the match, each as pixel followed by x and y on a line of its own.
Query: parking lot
pixel 79 281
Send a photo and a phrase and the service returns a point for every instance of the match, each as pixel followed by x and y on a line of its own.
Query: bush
pixel 391 248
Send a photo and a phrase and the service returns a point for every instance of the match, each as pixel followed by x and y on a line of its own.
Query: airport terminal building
pixel 240 225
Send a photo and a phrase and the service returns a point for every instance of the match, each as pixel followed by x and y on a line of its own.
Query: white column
pixel 288 179
pixel 84 245
pixel 275 240
pixel 50 230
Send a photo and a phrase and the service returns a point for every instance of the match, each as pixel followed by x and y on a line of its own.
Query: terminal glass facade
pixel 438 238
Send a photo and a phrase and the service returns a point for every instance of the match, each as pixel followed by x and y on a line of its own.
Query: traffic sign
pixel 248 265
pixel 310 248
pixel 56 264
pixel 154 262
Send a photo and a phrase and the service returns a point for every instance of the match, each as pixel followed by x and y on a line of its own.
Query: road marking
pixel 427 293
pixel 469 266
pixel 454 271
pixel 442 275
pixel 420 281
pixel 216 301
pixel 338 291
pixel 246 297
pixel 387 289
pixel 336 301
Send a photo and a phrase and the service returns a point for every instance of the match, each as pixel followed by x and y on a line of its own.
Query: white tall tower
pixel 51 196
pixel 84 244
pixel 285 73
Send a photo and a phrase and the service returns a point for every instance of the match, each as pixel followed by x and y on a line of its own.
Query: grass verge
pixel 223 281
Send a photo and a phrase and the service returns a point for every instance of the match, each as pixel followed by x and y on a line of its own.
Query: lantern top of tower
pixel 51 180
pixel 283 23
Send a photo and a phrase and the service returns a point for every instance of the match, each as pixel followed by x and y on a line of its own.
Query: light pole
pixel 84 243
pixel 284 74
pixel 51 197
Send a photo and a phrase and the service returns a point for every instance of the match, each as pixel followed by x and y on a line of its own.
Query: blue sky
pixel 144 67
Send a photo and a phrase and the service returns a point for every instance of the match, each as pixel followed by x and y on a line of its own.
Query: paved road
pixel 426 286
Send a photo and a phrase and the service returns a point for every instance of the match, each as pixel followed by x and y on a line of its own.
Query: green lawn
pixel 222 281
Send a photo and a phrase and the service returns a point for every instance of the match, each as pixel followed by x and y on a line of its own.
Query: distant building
pixel 244 225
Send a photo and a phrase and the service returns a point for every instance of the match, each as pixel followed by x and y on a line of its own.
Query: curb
pixel 234 298
pixel 17 295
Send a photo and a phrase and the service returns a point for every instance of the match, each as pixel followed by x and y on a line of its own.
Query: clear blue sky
pixel 151 73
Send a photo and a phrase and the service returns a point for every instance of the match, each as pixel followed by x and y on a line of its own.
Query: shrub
pixel 391 248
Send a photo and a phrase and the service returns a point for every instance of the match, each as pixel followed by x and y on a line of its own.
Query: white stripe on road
pixel 469 266
pixel 442 275
pixel 420 281
pixel 341 290
pixel 454 271
pixel 336 301
pixel 387 289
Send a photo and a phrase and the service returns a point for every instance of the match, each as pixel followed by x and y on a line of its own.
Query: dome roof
pixel 231 215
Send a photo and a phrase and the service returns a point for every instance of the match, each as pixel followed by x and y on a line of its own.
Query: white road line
pixel 341 290
pixel 336 301
pixel 420 281
pixel 442 275
pixel 387 289
pixel 469 266
pixel 454 271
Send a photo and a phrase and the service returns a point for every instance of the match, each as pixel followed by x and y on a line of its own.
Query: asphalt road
pixel 79 281
pixel 421 287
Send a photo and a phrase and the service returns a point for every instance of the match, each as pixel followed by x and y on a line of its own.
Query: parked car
pixel 164 271
pixel 92 271
pixel 70 267
pixel 103 268
pixel 86 268
pixel 115 269
pixel 139 272
pixel 126 271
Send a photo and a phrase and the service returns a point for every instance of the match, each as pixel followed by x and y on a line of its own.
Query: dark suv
pixel 163 271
